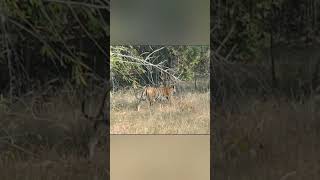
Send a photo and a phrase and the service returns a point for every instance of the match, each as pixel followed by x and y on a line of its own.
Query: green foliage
pixel 78 75
pixel 254 21
pixel 51 29
pixel 130 63
pixel 47 51
pixel 191 58
pixel 124 67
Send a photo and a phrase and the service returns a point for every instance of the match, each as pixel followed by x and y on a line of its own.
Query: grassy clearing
pixel 268 139
pixel 188 114
pixel 48 142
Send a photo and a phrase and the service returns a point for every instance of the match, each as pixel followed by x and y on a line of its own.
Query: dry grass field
pixel 188 114
pixel 48 142
pixel 272 139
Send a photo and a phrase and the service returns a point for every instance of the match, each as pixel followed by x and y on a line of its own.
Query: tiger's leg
pixel 150 102
pixel 162 101
pixel 161 106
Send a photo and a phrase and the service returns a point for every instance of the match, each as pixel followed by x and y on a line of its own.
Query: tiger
pixel 153 94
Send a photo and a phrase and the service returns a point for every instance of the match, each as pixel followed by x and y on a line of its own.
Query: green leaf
pixel 46 51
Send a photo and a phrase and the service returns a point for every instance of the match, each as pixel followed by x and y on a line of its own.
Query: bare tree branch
pixel 148 57
pixel 146 62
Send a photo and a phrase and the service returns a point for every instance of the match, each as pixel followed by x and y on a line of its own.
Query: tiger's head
pixel 169 90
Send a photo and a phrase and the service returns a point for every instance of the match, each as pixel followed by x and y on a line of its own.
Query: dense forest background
pixel 133 66
pixel 255 25
pixel 49 41
pixel 278 38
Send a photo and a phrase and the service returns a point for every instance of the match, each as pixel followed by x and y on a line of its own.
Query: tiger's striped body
pixel 153 94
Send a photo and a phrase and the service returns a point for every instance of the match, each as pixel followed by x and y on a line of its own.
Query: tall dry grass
pixel 272 139
pixel 45 138
pixel 189 113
